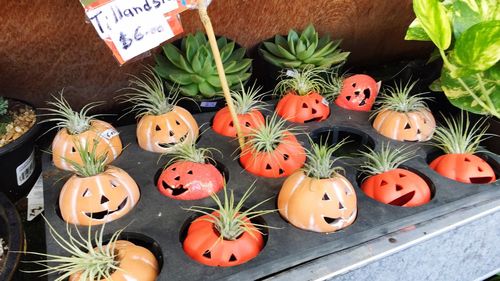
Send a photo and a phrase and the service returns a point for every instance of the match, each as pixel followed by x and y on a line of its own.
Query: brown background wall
pixel 46 45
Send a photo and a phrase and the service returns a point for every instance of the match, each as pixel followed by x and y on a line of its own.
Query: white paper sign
pixel 35 200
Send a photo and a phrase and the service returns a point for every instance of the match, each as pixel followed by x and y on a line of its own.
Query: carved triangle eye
pixel 87 193
pixel 402 175
pixel 207 254
pixel 383 182
pixel 341 207
pixel 304 105
pixel 233 258
pixel 268 167
pixel 157 128
pixel 399 187
pixel 407 126
pixel 325 197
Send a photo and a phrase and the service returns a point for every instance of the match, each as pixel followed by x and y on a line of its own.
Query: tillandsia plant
pixel 318 197
pixel 304 49
pixel 272 150
pixel 190 174
pixel 460 141
pixel 162 124
pixel 226 235
pixel 79 127
pixel 193 68
pixel 465 34
pixel 97 193
pixel 402 116
pixel 248 105
pixel 302 100
pixel 387 182
pixel 90 257
pixel 5 118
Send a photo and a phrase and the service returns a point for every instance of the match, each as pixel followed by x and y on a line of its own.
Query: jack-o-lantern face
pixel 204 245
pixel 398 187
pixel 303 109
pixel 466 168
pixel 161 133
pixel 134 263
pixel 411 126
pixel 98 199
pixel 358 93
pixel 288 156
pixel 321 205
pixel 63 147
pixel 223 122
pixel 186 180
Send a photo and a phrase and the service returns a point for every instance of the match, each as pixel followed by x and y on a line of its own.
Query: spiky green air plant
pixel 92 163
pixel 320 163
pixel 398 99
pixel 333 85
pixel 386 159
pixel 267 137
pixel 5 118
pixel 75 122
pixel 147 94
pixel 459 136
pixel 233 220
pixel 187 151
pixel 301 50
pixel 193 67
pixel 301 81
pixel 92 262
pixel 248 99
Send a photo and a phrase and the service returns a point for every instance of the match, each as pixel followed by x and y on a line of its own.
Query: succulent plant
pixel 193 68
pixel 300 50
pixel 5 119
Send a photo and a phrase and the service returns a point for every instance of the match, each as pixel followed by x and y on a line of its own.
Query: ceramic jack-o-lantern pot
pixel 272 151
pixel 391 185
pixel 191 176
pixel 247 105
pixel 403 117
pixel 302 101
pixel 226 237
pixel 318 198
pixel 96 194
pixel 77 127
pixel 460 141
pixel 162 124
pixel 358 93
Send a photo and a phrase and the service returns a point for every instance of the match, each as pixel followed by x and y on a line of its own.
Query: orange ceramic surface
pixel 204 245
pixel 136 263
pixel 321 205
pixel 358 93
pixel 302 109
pixel 398 187
pixel 161 133
pixel 223 123
pixel 63 145
pixel 186 180
pixel 466 168
pixel 411 126
pixel 288 156
pixel 98 199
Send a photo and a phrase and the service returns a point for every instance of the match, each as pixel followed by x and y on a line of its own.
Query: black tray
pixel 162 218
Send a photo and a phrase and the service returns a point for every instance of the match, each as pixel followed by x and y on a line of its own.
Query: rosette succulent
pixel 5 119
pixel 300 50
pixel 192 67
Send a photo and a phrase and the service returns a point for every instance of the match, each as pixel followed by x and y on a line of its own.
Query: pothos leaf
pixel 433 18
pixel 416 32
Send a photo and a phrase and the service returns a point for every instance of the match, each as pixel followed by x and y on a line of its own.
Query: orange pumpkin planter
pixel 466 168
pixel 358 93
pixel 303 109
pixel 134 263
pixel 98 199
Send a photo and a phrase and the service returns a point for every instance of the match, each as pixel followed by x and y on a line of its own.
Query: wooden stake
pixel 205 19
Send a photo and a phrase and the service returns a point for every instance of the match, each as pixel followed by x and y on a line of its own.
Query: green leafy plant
pixel 466 34
pixel 301 81
pixel 459 136
pixel 266 138
pixel 92 163
pixel 301 50
pixel 320 163
pixel 398 99
pixel 248 99
pixel 232 220
pixel 193 68
pixel 187 151
pixel 333 85
pixel 5 118
pixel 87 256
pixel 386 159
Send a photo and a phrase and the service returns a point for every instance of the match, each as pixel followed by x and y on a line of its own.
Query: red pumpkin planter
pixel 303 108
pixel 204 245
pixel 285 159
pixel 358 93
pixel 223 122
pixel 398 187
pixel 185 180
pixel 464 167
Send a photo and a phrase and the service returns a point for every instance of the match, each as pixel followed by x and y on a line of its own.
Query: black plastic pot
pixel 20 164
pixel 265 72
pixel 12 232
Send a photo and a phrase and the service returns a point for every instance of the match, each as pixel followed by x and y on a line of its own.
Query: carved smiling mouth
pixel 102 214
pixel 400 201
pixel 170 144
pixel 175 191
